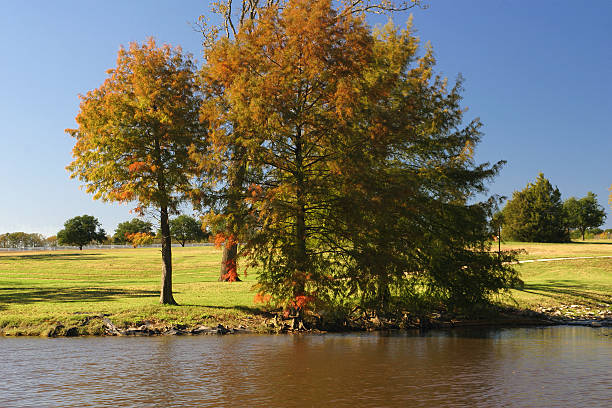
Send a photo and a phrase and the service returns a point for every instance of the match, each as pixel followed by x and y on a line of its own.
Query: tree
pixel 131 227
pixel 81 231
pixel 135 133
pixel 536 214
pixel 21 240
pixel 185 228
pixel 584 213
pixel 224 185
pixel 358 169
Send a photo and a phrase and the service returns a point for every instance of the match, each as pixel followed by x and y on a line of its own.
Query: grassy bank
pixel 38 291
pixel 53 292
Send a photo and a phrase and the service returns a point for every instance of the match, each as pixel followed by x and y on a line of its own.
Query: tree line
pixel 325 154
pixel 85 229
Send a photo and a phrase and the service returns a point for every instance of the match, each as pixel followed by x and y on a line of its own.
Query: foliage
pixel 80 231
pixel 185 228
pixel 134 136
pixel 139 238
pixel 358 166
pixel 21 240
pixel 584 213
pixel 130 227
pixel 536 214
pixel 224 184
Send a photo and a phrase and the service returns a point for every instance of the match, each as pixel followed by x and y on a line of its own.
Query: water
pixel 535 367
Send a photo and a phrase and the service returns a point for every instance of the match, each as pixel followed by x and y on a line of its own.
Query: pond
pixel 522 367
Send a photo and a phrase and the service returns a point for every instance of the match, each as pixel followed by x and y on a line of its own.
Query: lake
pixel 520 367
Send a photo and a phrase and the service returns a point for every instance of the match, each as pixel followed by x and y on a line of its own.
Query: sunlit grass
pixel 58 286
pixel 39 290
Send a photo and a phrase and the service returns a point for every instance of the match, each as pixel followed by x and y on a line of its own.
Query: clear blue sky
pixel 538 74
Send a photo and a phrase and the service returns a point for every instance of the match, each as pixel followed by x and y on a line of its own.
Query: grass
pixel 537 250
pixel 585 284
pixel 41 291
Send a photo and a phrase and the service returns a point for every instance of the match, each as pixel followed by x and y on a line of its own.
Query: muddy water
pixel 536 367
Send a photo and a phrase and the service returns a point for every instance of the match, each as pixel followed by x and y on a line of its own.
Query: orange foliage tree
pixel 135 133
pixel 358 163
pixel 225 184
pixel 280 93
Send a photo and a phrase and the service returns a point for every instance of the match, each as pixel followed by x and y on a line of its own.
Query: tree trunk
pixel 300 227
pixel 228 262
pixel 166 297
pixel 230 254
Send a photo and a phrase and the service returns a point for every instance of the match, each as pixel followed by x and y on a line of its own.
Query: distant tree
pixel 130 227
pixel 584 214
pixel 81 231
pixel 51 241
pixel 21 240
pixel 536 214
pixel 135 135
pixel 185 228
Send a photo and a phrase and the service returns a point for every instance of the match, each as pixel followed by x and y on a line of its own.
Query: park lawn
pixel 39 290
pixel 584 282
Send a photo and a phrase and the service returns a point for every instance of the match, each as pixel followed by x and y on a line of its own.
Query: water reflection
pixel 558 366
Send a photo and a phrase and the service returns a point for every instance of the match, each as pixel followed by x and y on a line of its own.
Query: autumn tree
pixel 134 135
pixel 185 228
pixel 81 231
pixel 535 214
pixel 225 186
pixel 358 167
pixel 584 213
pixel 133 226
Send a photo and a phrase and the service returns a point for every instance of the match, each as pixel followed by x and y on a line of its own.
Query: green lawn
pixel 39 290
pixel 585 284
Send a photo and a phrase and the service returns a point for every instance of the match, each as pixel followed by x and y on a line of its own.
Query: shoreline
pixel 102 326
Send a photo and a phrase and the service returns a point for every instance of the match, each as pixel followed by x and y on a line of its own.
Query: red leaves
pixel 232 273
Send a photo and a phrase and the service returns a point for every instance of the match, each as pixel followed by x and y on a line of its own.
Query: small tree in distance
pixel 81 231
pixel 185 228
pixel 584 213
pixel 536 214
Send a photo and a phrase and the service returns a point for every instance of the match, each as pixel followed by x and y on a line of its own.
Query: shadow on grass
pixel 561 290
pixel 27 295
pixel 52 257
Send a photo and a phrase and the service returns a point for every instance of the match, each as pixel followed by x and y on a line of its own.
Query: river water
pixel 533 367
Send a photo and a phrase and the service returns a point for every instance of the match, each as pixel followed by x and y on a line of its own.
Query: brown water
pixel 536 367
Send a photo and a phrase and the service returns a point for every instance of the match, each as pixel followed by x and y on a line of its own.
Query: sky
pixel 537 74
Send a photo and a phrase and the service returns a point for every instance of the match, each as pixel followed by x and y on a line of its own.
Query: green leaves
pixel 81 231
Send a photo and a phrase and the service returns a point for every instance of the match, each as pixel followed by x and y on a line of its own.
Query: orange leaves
pixel 137 167
pixel 135 130
pixel 262 298
pixel 139 238
pixel 232 274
